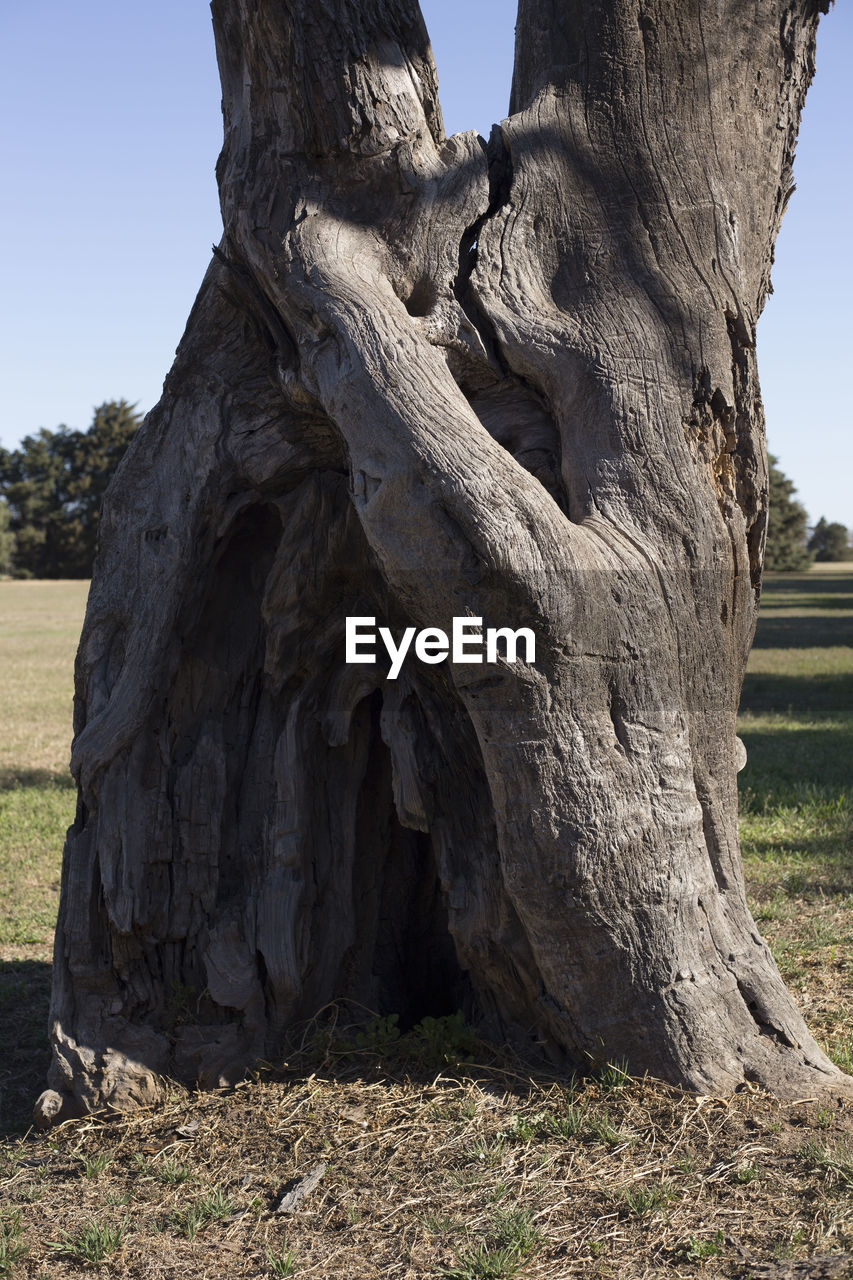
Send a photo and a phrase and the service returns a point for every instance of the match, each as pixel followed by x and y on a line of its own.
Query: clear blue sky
pixel 109 132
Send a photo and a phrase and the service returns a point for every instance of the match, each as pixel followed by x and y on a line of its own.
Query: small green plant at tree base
pixel 380 1035
pixel 484 1263
pixel 813 1154
pixel 12 1251
pixel 570 1124
pixel 513 1237
pixel 515 1229
pixel 216 1205
pixel 283 1262
pixel 443 1041
pixel 437 1042
pixel 524 1129
pixel 442 1112
pixel 784 1249
pixel 695 1250
pixel 187 1221
pixel 212 1207
pixel 614 1076
pixel 546 1125
pixel 577 1121
pixel 599 1125
pixel 842 1055
pixel 92 1243
pixel 205 1208
pixel 29 1194
pixel 486 1153
pixel 94 1166
pixel 170 1173
pixel 167 1171
pixel 441 1224
pixel 184 1003
pixel 643 1200
pixel 837 1163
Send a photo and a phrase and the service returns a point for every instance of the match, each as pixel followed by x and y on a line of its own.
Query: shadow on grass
pixel 823 860
pixel 808 697
pixel 821 631
pixel 793 766
pixel 24 1050
pixel 825 603
pixel 349 1044
pixel 809 583
pixel 827 880
pixel 13 777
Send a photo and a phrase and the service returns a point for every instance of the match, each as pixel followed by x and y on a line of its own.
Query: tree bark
pixel 430 377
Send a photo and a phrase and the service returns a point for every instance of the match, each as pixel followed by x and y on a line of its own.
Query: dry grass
pixel 480 1171
pixel 444 1158
pixel 39 628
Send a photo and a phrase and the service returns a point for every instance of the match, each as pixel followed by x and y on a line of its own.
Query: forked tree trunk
pixel 428 378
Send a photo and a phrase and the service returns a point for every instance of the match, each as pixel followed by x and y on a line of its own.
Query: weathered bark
pixel 426 377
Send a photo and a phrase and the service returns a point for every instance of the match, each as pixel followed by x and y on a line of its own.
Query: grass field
pixel 797 793
pixel 39 627
pixel 434 1166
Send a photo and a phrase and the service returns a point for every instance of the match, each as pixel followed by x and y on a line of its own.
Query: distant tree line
pixel 51 490
pixel 830 540
pixel 787 524
pixel 789 546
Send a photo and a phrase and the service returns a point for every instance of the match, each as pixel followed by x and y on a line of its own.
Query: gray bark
pixel 428 377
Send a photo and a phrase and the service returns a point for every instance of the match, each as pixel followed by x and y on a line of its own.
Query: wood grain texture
pixel 428 377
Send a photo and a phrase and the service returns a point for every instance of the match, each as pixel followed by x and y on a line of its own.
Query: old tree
pixel 424 378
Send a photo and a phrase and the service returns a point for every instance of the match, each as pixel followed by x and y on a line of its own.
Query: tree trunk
pixel 426 378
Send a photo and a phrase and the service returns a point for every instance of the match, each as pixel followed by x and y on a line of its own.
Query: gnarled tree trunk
pixel 431 377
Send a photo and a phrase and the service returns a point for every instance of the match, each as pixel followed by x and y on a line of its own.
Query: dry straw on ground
pixel 478 1170
pixel 444 1158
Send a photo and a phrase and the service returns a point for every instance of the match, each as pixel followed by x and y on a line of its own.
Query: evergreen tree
pixel 98 454
pixel 7 540
pixel 786 527
pixel 830 540
pixel 54 484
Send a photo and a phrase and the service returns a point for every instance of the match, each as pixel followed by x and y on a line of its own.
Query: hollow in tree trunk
pixel 429 378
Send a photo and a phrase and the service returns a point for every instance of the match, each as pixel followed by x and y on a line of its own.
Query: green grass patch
pixel 92 1243
pixel 40 625
pixel 511 1237
pixel 796 808
pixel 12 1249
pixel 648 1198
pixel 39 629
pixel 33 822
pixel 796 717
